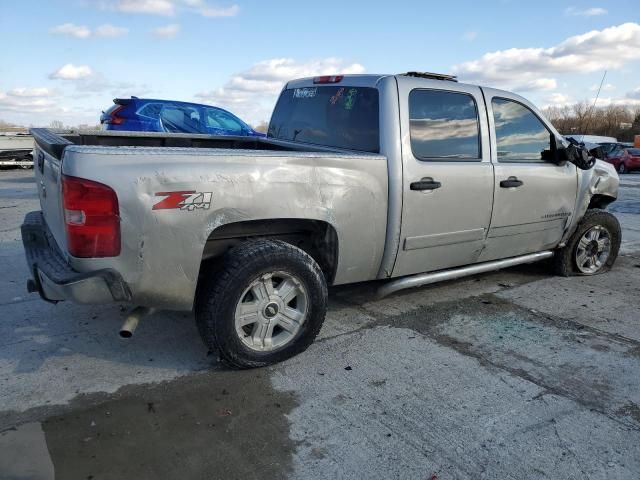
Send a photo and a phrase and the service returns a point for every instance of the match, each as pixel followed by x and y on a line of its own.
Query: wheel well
pixel 600 201
pixel 317 238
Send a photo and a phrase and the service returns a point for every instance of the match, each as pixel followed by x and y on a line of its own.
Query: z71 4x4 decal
pixel 184 200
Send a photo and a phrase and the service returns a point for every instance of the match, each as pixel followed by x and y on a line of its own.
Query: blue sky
pixel 66 59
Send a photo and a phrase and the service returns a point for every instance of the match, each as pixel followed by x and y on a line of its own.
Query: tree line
pixel 619 121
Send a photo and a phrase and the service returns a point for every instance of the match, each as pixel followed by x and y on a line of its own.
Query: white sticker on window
pixel 305 92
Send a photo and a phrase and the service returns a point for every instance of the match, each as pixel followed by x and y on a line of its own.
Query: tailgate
pixel 48 171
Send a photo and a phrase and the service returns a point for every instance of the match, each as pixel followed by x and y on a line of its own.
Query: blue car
pixel 148 115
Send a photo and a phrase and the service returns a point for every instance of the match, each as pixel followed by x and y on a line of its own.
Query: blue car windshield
pixel 219 119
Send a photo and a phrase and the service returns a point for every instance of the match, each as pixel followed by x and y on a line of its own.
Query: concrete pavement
pixel 513 374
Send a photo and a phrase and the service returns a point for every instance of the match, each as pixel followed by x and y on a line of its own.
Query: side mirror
pixel 575 153
pixel 558 153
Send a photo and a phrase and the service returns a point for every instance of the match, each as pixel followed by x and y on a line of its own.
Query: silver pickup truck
pixel 407 179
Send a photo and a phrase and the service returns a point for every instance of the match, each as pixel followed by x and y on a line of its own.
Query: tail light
pixel 91 217
pixel 328 79
pixel 113 117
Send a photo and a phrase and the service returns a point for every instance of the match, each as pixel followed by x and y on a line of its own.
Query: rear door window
pixel 333 116
pixel 180 119
pixel 444 125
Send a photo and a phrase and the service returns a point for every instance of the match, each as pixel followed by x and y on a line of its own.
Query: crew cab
pixel 406 179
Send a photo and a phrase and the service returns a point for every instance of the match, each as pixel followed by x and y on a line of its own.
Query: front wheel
pixel 266 304
pixel 622 168
pixel 593 247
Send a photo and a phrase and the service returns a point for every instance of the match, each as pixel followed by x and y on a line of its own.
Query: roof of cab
pixel 355 80
pixel 372 80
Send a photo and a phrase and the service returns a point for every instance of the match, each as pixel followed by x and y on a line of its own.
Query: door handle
pixel 511 182
pixel 426 183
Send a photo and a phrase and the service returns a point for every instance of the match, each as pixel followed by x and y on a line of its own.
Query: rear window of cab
pixel 333 116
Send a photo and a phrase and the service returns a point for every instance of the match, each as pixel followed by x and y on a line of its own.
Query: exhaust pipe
pixel 132 320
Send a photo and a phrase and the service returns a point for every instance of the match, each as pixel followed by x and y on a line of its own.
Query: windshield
pixel 333 116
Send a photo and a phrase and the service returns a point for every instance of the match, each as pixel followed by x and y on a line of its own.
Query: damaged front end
pixel 598 184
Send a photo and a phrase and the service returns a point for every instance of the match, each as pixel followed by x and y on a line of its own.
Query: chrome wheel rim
pixel 593 250
pixel 271 311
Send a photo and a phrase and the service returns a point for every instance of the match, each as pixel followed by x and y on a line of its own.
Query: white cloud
pixel 32 92
pixel 72 72
pixel 169 8
pixel 41 111
pixel 529 84
pixel 87 82
pixel 168 31
pixel 515 68
pixel 40 105
pixel 252 93
pixel 28 100
pixel 635 94
pixel 470 36
pixel 154 7
pixel 218 12
pixel 626 101
pixel 98 84
pixel 630 99
pixel 108 30
pixel 27 106
pixel 78 31
pixel 607 87
pixel 558 100
pixel 82 31
pixel 587 12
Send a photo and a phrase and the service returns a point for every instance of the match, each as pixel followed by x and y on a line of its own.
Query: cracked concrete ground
pixel 514 374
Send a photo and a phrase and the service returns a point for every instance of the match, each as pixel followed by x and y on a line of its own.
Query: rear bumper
pixel 55 280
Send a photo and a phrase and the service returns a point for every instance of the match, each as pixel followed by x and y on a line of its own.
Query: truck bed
pixel 54 141
pixel 249 181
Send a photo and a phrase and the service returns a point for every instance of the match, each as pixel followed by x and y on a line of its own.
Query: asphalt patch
pixel 224 424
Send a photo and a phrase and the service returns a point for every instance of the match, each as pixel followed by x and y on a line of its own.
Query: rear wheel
pixel 622 168
pixel 593 247
pixel 266 304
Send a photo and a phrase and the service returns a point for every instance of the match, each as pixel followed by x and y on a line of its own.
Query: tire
pixel 622 168
pixel 595 223
pixel 254 284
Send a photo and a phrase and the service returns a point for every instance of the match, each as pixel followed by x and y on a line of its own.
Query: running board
pixel 452 274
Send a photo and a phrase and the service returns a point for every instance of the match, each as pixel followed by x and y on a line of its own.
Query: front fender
pixel 600 181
